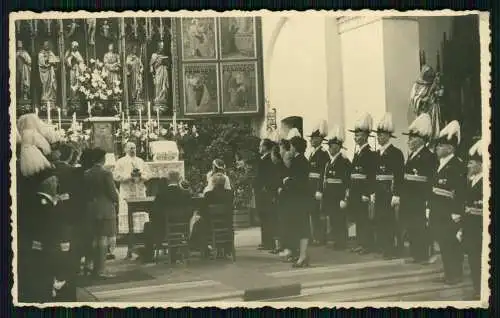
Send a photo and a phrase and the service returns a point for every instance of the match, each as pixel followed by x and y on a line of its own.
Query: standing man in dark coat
pixel 263 185
pixel 389 177
pixel 417 188
pixel 362 190
pixel 317 161
pixel 472 224
pixel 103 199
pixel 447 203
pixel 336 179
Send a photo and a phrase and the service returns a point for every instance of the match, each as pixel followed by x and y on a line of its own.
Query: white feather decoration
pixel 49 132
pixel 476 149
pixel 336 133
pixel 386 124
pixel 452 129
pixel 32 137
pixel 294 132
pixel 365 122
pixel 323 128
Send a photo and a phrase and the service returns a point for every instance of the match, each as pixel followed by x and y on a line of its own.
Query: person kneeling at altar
pixel 200 226
pixel 101 211
pixel 172 204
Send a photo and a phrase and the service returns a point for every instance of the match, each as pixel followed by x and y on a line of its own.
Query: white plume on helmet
pixel 386 124
pixel 451 130
pixel 321 127
pixel 294 132
pixel 336 133
pixel 364 123
pixel 421 126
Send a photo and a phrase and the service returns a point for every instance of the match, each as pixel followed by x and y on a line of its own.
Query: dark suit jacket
pixel 298 178
pixel 263 178
pixel 220 197
pixel 390 163
pixel 363 174
pixel 317 162
pixel 336 180
pixel 448 191
pixel 102 193
pixel 417 185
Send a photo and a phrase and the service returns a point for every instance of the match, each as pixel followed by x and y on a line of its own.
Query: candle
pixel 59 117
pixel 123 119
pixel 158 119
pixel 128 119
pixel 120 104
pixel 174 123
pixel 36 25
pixel 36 111
pixel 89 109
pixel 48 113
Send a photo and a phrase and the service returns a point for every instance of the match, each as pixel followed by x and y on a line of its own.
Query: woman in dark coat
pixel 279 173
pixel 297 184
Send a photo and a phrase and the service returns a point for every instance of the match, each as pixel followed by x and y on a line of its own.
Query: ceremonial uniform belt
pixel 413 177
pixel 443 193
pixel 384 177
pixel 36 245
pixel 314 175
pixel 358 176
pixel 473 210
pixel 333 181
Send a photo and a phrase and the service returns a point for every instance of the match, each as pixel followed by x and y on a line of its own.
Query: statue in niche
pixel 112 64
pixel 23 71
pixel 47 63
pixel 91 23
pixel 106 30
pixel 135 69
pixel 159 70
pixel 72 28
pixel 75 63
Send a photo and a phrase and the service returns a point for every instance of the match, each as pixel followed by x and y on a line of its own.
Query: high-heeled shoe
pixel 304 263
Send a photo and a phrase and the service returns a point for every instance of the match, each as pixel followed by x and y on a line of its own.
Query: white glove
pixel 318 195
pixel 427 213
pixel 279 190
pixel 285 180
pixel 455 218
pixel 372 198
pixel 459 235
pixel 343 204
pixel 395 201
pixel 364 198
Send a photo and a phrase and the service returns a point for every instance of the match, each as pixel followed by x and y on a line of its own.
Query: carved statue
pixel 47 62
pixel 91 23
pixel 112 65
pixel 72 28
pixel 135 69
pixel 105 30
pixel 159 70
pixel 75 63
pixel 23 71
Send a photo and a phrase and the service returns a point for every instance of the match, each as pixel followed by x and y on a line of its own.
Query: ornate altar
pixel 190 66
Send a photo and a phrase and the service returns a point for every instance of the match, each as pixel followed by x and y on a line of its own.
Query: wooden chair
pixel 176 236
pixel 221 229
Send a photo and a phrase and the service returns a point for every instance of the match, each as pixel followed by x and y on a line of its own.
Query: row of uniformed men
pixel 436 195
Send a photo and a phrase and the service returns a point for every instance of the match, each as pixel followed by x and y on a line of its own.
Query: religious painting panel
pixel 201 87
pixel 198 38
pixel 239 87
pixel 237 37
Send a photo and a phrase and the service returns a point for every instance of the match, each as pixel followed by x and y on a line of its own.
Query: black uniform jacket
pixel 336 180
pixel 317 162
pixel 417 185
pixel 264 178
pixel 448 190
pixel 474 200
pixel 389 173
pixel 363 174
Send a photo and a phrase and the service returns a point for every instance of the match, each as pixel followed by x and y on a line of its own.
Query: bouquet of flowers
pixel 93 83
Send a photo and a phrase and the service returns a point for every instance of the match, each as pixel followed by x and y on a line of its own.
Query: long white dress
pixel 131 189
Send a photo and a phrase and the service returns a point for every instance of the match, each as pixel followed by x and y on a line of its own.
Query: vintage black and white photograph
pixel 239 87
pixel 284 159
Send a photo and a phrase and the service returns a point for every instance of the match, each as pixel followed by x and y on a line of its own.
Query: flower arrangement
pixel 93 83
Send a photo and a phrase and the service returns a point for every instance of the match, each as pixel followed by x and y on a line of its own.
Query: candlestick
pixel 36 111
pixel 174 123
pixel 89 109
pixel 59 117
pixel 158 119
pixel 49 120
pixel 120 104
pixel 149 113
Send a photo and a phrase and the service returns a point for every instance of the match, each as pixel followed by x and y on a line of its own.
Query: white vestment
pixel 130 188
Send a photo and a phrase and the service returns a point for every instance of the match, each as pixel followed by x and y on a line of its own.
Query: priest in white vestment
pixel 131 172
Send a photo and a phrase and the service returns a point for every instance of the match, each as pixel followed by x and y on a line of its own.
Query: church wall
pixel 431 31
